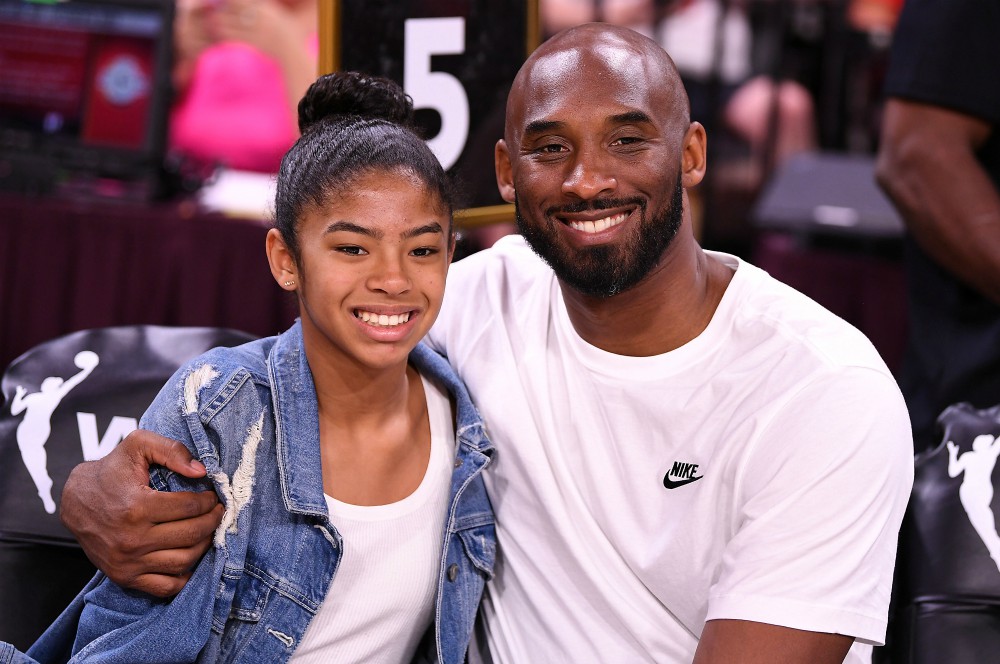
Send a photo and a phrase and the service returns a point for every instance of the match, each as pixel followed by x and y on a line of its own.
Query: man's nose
pixel 589 176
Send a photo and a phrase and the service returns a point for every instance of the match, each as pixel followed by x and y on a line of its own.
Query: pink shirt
pixel 235 110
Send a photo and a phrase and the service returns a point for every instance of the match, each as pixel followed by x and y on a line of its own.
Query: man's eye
pixel 424 251
pixel 627 140
pixel 351 250
pixel 551 148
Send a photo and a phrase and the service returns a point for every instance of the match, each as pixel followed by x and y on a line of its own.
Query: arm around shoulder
pixel 142 539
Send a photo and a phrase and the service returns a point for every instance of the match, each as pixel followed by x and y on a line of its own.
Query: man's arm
pixel 818 505
pixel 927 165
pixel 746 642
pixel 141 538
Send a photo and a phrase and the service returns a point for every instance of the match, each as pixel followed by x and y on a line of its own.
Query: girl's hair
pixel 352 124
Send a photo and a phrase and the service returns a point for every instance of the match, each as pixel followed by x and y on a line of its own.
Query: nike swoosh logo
pixel 673 484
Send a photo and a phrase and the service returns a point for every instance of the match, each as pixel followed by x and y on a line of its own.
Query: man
pixel 694 461
pixel 940 163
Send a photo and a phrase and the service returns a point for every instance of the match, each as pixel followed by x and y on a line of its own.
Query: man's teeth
pixel 600 224
pixel 382 320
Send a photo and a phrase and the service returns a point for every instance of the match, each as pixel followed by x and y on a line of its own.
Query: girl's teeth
pixel 383 320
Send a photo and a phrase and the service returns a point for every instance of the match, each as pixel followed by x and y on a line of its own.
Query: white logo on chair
pixel 976 492
pixel 33 431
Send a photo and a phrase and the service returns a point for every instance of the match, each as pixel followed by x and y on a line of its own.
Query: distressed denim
pixel 250 415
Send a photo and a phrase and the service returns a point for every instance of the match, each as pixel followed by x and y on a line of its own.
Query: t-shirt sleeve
pixel 819 505
pixel 945 53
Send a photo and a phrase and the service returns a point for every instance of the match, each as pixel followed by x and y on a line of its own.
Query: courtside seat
pixel 949 559
pixel 65 401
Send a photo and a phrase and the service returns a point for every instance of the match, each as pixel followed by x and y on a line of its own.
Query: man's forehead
pixel 596 68
pixel 602 66
pixel 615 78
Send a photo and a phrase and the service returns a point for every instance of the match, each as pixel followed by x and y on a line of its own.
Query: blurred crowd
pixel 241 67
pixel 767 78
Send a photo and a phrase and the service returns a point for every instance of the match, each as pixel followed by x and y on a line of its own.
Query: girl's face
pixel 372 269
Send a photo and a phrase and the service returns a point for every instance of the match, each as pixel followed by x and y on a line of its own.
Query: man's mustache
pixel 596 205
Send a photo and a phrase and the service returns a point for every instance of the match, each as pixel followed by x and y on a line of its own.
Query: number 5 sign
pixel 456 59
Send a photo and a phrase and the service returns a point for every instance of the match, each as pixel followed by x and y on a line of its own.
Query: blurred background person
pixel 712 42
pixel 939 162
pixel 639 15
pixel 241 67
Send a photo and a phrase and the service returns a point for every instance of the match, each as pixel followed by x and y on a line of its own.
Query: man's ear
pixel 693 161
pixel 283 266
pixel 505 175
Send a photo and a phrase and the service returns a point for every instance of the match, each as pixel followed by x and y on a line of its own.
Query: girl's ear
pixel 283 266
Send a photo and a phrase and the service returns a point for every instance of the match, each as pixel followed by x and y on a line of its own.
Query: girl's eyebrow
pixel 433 227
pixel 350 227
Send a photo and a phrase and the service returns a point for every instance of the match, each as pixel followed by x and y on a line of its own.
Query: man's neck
pixel 667 309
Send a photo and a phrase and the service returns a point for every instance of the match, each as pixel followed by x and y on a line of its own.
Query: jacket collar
pixel 293 395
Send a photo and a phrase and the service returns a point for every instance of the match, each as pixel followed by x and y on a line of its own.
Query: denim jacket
pixel 250 415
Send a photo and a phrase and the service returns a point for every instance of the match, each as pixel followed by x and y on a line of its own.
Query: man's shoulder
pixel 510 256
pixel 509 271
pixel 766 307
pixel 490 291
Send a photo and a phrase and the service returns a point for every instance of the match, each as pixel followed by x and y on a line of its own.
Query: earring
pixel 289 283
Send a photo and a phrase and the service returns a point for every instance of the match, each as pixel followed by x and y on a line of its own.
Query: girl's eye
pixel 351 250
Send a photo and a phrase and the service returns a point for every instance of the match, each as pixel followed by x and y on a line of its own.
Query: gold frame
pixel 329 61
pixel 329 30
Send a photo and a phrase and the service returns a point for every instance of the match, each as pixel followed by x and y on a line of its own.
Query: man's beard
pixel 606 270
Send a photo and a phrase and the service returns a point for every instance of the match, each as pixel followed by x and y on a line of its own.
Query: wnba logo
pixel 35 428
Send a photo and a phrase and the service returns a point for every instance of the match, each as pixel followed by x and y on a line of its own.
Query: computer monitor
pixel 84 90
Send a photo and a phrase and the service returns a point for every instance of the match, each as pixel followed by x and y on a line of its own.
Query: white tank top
pixel 381 600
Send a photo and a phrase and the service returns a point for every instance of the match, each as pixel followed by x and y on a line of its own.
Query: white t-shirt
pixel 381 600
pixel 781 434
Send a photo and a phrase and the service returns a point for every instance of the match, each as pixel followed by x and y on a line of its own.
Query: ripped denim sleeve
pixel 236 487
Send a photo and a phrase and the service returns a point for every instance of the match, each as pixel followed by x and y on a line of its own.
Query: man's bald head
pixel 585 55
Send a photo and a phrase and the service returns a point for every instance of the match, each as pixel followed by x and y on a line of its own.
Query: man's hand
pixel 141 538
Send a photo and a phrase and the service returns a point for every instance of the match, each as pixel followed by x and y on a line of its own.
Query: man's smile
pixel 596 218
pixel 597 225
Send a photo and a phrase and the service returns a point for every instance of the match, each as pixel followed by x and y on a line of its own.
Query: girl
pixel 348 457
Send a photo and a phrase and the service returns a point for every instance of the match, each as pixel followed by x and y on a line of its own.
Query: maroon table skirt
pixel 68 265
